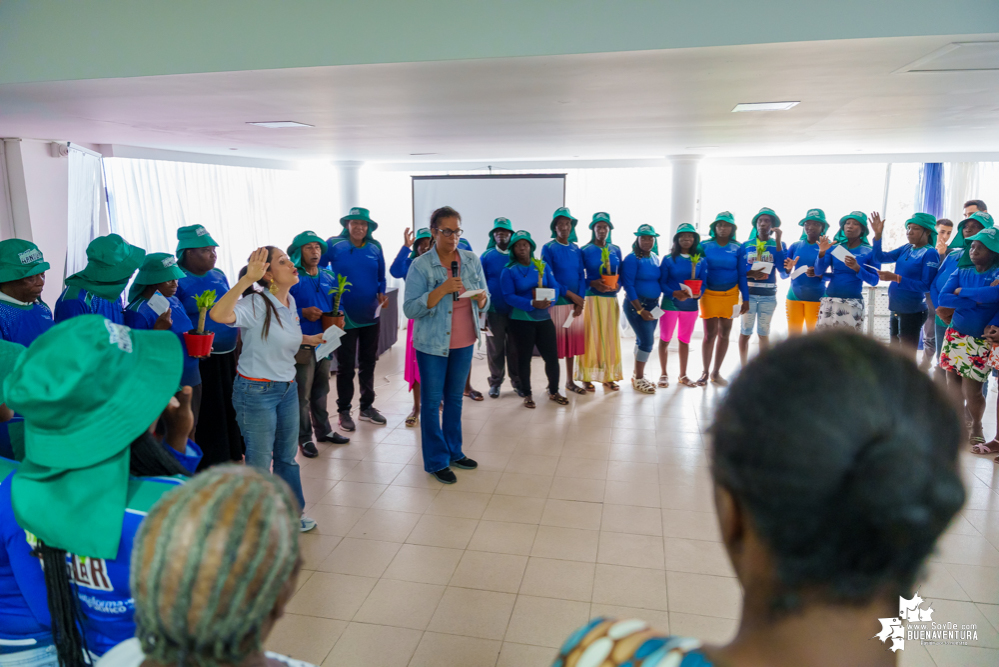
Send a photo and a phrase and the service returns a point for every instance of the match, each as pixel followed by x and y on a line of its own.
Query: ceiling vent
pixel 958 57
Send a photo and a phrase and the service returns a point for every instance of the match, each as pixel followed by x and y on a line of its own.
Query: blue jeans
pixel 44 656
pixel 761 311
pixel 268 416
pixel 442 378
pixel 645 330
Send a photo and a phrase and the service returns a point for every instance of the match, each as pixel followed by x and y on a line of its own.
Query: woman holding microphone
pixel 445 330
pixel 265 395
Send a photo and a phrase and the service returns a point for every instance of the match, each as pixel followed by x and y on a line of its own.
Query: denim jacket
pixel 432 326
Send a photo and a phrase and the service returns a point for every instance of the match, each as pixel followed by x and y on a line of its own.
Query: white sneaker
pixel 307 524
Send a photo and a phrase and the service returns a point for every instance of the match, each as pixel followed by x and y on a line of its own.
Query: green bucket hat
pixel 159 267
pixel 358 213
pixel 521 236
pixel 961 243
pixel 421 233
pixel 687 228
pixel 9 354
pixel 988 237
pixel 816 215
pixel 724 216
pixel 111 261
pixel 648 230
pixel 86 388
pixel 20 259
pixel 194 236
pixel 860 217
pixel 763 211
pixel 601 217
pixel 927 222
pixel 305 238
pixel 563 212
pixel 498 223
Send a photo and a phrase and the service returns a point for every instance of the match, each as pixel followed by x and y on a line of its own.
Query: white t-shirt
pixel 129 654
pixel 272 358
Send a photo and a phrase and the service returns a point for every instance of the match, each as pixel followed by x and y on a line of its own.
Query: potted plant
pixel 694 285
pixel 198 341
pixel 607 275
pixel 335 317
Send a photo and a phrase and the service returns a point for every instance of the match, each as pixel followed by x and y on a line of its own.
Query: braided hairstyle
pixel 845 457
pixel 208 566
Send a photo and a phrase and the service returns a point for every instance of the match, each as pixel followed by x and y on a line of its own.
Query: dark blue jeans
pixel 442 378
pixel 645 330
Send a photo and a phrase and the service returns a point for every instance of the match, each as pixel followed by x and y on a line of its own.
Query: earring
pixel 273 288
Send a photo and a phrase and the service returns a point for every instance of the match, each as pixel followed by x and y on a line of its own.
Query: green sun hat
pixel 159 267
pixel 194 236
pixel 563 212
pixel 86 388
pixel 522 235
pixel 988 237
pixel 724 216
pixel 764 211
pixel 111 261
pixel 358 213
pixel 816 215
pixel 860 217
pixel 927 222
pixel 602 217
pixel 687 228
pixel 982 217
pixel 20 259
pixel 9 354
pixel 305 238
pixel 648 230
pixel 421 233
pixel 498 223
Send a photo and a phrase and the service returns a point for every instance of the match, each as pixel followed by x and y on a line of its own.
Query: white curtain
pixel 84 215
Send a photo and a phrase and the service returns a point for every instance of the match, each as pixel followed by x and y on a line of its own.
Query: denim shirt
pixel 432 326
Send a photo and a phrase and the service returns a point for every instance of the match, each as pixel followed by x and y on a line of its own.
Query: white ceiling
pixel 855 98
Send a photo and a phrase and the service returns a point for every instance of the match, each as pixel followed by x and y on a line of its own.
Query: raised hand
pixel 877 225
pixel 824 244
pixel 257 265
pixel 789 263
pixel 408 237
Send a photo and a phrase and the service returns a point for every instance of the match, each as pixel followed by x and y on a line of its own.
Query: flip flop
pixel 475 395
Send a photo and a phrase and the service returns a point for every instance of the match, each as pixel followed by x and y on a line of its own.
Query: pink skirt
pixel 570 342
pixel 412 371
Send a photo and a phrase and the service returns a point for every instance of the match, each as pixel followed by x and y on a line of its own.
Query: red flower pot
pixel 199 345
pixel 694 285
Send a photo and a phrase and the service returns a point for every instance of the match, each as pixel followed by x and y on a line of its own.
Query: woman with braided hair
pixel 213 566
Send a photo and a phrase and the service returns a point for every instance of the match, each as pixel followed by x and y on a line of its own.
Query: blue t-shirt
pixel 672 272
pixel 493 263
pixel 518 283
pixel 23 324
pixel 640 277
pixel 400 266
pixel 77 301
pixel 947 267
pixel 726 267
pixel 978 304
pixel 592 260
pixel 804 288
pixel 566 262
pixel 193 285
pixel 771 253
pixel 916 269
pixel 313 292
pixel 365 269
pixel 846 283
pixel 139 315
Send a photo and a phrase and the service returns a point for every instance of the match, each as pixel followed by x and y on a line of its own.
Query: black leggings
pixel 905 328
pixel 527 334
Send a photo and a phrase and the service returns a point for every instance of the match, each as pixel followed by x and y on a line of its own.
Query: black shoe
pixel 521 392
pixel 371 415
pixel 309 450
pixel 346 423
pixel 335 438
pixel 445 476
pixel 493 392
pixel 465 464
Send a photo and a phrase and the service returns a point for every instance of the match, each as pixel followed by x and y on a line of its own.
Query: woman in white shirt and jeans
pixel 264 394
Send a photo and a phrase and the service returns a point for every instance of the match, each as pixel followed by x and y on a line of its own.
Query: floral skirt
pixel 601 362
pixel 965 355
pixel 836 312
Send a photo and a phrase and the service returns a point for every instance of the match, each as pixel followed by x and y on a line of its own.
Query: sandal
pixel 558 398
pixel 575 388
pixel 643 385
pixel 613 386
pixel 703 380
pixel 719 380
pixel 687 382
pixel 529 402
pixel 978 446
pixel 475 395
pixel 663 381
pixel 588 386
pixel 412 419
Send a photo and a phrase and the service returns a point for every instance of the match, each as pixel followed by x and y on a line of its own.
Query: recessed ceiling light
pixel 273 124
pixel 764 106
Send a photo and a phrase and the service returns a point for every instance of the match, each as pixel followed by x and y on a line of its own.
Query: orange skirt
pixel 719 304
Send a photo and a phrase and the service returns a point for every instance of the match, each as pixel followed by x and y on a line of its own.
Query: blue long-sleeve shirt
pixel 22 324
pixel 192 285
pixel 400 265
pixel 493 263
pixel 771 253
pixel 947 267
pixel 916 268
pixel 726 267
pixel 365 269
pixel 672 272
pixel 846 283
pixel 139 315
pixel 804 288
pixel 640 277
pixel 313 292
pixel 978 304
pixel 518 283
pixel 566 262
pixel 591 261
pixel 77 301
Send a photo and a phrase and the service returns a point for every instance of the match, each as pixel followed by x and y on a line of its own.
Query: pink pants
pixel 668 322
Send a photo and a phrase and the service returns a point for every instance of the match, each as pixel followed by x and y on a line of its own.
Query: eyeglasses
pixel 448 233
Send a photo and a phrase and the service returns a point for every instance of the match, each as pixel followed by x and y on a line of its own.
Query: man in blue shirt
pixel 359 257
pixel 312 298
pixel 499 347
pixel 23 315
pixel 762 247
pixel 97 289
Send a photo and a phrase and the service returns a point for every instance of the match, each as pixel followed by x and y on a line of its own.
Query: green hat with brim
pixel 598 218
pixel 498 223
pixel 159 267
pixel 20 259
pixel 9 354
pixel 724 216
pixel 814 215
pixel 86 388
pixel 860 217
pixel 648 230
pixel 927 222
pixel 764 211
pixel 563 212
pixel 687 228
pixel 194 236
pixel 358 213
pixel 960 243
pixel 111 262
pixel 421 233
pixel 521 236
pixel 305 238
pixel 987 237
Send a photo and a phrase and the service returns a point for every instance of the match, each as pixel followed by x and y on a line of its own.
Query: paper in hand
pixel 657 312
pixel 762 266
pixel 841 253
pixel 331 341
pixel 159 304
pixel 686 288
pixel 568 320
pixel 799 271
pixel 470 293
pixel 736 310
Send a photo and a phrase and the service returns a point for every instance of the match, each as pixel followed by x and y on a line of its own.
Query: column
pixel 349 181
pixel 685 197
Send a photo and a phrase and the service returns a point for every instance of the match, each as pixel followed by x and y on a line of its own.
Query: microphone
pixel 454 274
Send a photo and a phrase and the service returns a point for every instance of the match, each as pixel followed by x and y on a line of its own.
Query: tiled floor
pixel 600 507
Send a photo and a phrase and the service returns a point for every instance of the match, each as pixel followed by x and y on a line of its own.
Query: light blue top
pixel 272 358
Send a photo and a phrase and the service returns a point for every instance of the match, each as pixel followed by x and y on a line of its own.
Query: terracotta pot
pixel 199 345
pixel 329 319
pixel 694 285
pixel 609 281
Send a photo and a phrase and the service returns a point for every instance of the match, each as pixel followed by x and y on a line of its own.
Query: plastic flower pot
pixel 609 281
pixel 329 319
pixel 694 285
pixel 199 345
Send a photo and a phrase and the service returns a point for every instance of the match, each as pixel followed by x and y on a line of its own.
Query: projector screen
pixel 527 200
